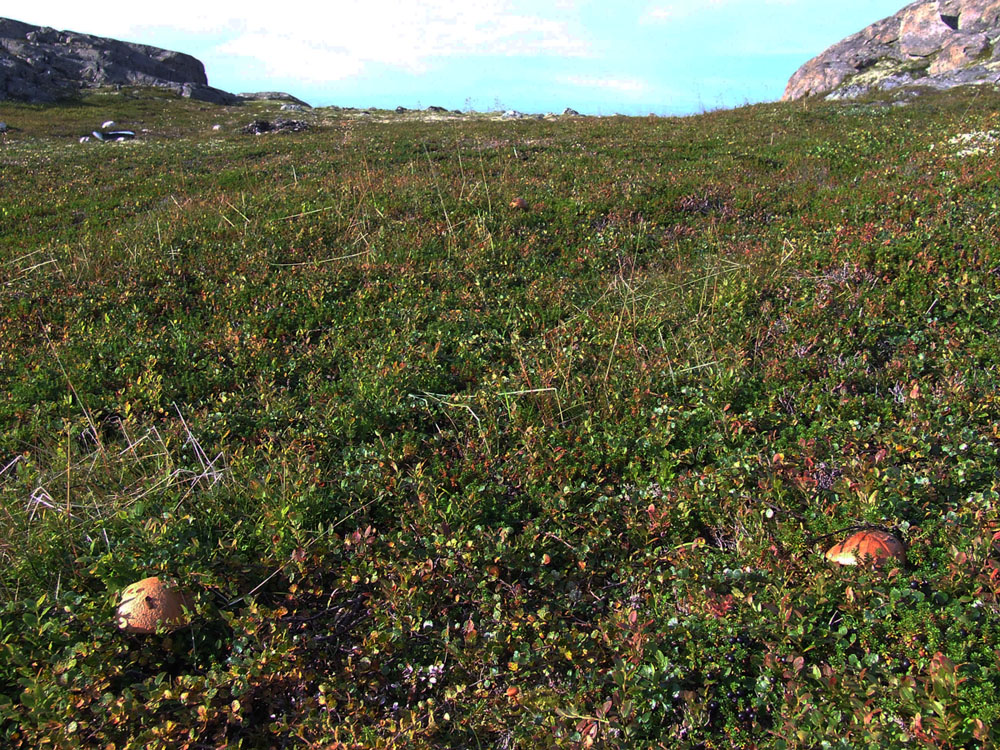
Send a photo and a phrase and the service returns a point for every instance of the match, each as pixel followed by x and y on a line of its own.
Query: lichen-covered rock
pixel 935 44
pixel 959 53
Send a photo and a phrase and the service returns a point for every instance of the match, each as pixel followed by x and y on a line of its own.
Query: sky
pixel 601 57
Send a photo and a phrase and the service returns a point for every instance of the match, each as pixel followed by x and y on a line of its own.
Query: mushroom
pixel 520 204
pixel 877 547
pixel 150 604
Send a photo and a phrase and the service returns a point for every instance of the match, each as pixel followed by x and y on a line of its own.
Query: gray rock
pixel 258 127
pixel 930 44
pixel 40 64
pixel 273 96
pixel 108 136
pixel 202 93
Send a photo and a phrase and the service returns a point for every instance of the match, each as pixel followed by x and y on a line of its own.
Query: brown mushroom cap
pixel 878 547
pixel 149 604
pixel 519 203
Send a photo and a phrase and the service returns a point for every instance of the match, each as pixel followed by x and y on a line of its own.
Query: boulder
pixel 958 53
pixel 922 32
pixel 934 44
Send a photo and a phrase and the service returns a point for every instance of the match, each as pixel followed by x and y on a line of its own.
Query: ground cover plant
pixel 444 469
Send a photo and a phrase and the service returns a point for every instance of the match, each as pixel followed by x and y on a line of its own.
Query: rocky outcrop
pixel 935 44
pixel 273 96
pixel 40 64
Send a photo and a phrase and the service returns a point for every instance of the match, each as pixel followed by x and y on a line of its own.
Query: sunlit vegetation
pixel 441 469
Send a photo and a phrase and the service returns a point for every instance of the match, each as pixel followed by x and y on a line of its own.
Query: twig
pixel 238 211
pixel 525 393
pixel 307 213
pixel 441 399
pixel 444 208
pixel 11 464
pixel 324 260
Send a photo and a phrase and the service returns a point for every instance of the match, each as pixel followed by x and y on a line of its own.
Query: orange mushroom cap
pixel 878 547
pixel 150 604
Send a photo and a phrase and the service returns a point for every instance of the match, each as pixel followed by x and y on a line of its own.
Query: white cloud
pixel 674 10
pixel 337 40
pixel 633 86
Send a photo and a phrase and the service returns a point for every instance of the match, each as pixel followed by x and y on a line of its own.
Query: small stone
pixel 150 604
pixel 870 546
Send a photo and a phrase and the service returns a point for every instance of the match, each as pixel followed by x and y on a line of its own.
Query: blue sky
pixel 629 56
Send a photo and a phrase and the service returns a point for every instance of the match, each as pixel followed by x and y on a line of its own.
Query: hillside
pixel 41 64
pixel 442 468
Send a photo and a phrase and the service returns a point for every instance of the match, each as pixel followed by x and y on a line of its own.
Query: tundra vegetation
pixel 439 471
